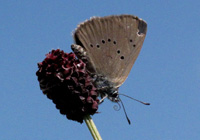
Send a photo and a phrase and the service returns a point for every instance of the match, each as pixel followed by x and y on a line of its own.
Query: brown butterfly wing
pixel 112 44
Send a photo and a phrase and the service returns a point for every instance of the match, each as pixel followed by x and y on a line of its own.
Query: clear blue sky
pixel 166 73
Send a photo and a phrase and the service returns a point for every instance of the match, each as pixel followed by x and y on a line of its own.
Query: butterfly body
pixel 104 87
pixel 109 46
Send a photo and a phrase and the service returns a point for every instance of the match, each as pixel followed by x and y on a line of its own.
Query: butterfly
pixel 109 46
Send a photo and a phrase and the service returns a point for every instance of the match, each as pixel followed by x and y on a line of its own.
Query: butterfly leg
pixel 102 99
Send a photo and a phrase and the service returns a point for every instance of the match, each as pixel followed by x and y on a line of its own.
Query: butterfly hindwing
pixel 111 44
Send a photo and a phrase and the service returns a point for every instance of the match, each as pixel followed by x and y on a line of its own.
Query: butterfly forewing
pixel 112 44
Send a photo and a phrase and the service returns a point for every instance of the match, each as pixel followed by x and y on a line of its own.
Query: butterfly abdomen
pixel 81 54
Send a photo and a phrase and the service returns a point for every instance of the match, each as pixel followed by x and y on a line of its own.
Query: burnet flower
pixel 63 78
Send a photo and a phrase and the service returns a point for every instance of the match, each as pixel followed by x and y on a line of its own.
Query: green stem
pixel 91 126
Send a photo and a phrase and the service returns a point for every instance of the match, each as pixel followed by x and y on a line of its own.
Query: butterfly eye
pixel 114 42
pixel 118 51
pixel 122 57
pixel 134 45
pixel 103 41
pixel 131 40
pixel 91 45
pixel 109 40
pixel 139 32
pixel 98 46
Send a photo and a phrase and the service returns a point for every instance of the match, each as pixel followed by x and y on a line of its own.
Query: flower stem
pixel 91 126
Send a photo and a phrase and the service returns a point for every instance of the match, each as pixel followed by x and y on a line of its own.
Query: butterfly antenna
pixel 134 99
pixel 129 122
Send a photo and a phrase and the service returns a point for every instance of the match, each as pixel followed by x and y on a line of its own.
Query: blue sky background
pixel 166 73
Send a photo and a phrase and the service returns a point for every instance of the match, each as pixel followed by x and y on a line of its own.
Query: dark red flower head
pixel 63 78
